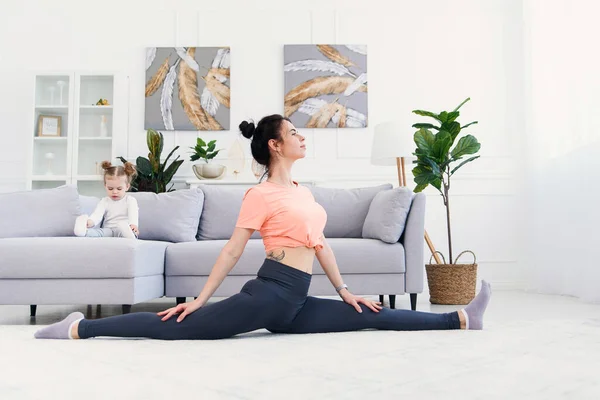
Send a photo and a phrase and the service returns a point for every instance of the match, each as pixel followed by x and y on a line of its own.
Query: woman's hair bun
pixel 106 165
pixel 247 129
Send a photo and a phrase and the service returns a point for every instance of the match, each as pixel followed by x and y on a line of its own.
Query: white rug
pixel 544 359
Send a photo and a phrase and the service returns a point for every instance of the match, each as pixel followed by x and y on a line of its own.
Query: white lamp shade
pixel 391 140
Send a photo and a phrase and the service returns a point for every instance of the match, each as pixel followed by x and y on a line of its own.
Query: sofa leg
pixel 381 299
pixel 392 301
pixel 126 308
pixel 32 310
pixel 413 301
pixel 180 300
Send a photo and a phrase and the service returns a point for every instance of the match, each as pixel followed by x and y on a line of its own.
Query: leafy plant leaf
pixel 425 126
pixel 420 187
pixel 427 114
pixel 463 163
pixel 213 155
pixel 452 116
pixel 424 140
pixel 172 169
pixel 154 162
pixel 453 128
pixel 443 116
pixel 469 124
pixel 466 145
pixel 441 146
pixel 155 142
pixel 143 166
pixel 167 159
pixel 461 104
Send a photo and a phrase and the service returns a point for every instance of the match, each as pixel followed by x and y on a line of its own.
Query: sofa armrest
pixel 413 240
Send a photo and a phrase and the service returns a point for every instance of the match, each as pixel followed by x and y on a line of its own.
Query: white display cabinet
pixel 72 133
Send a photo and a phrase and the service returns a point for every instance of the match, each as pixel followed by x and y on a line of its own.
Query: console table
pixel 194 183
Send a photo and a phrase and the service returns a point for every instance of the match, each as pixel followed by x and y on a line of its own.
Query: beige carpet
pixel 545 359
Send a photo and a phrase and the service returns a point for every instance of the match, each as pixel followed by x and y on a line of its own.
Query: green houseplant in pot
pixel 152 174
pixel 438 157
pixel 206 151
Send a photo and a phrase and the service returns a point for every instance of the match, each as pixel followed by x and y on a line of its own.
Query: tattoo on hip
pixel 276 257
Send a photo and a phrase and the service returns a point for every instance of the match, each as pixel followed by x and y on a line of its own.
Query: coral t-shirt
pixel 284 216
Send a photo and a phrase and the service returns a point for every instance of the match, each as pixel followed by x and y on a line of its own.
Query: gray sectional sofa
pixel 376 234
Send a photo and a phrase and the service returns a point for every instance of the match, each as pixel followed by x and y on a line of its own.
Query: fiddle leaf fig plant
pixel 436 158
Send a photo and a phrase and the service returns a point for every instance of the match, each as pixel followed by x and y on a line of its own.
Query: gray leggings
pixel 276 300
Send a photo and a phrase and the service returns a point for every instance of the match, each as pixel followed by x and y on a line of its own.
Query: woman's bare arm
pixel 329 264
pixel 227 259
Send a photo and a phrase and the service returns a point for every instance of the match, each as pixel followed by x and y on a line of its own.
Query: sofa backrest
pixel 346 208
pixel 221 210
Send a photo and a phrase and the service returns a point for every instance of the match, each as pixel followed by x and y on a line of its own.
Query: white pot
pixel 209 171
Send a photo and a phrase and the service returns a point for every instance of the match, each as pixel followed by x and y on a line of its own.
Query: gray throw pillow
pixel 169 217
pixel 41 212
pixel 221 210
pixel 387 215
pixel 346 208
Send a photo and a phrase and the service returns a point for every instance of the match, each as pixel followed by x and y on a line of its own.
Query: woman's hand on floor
pixel 355 301
pixel 183 309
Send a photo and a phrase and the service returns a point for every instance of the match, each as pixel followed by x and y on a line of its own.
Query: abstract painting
pixel 326 85
pixel 187 88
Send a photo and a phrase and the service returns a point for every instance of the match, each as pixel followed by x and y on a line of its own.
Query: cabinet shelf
pixel 96 110
pixel 49 178
pixel 50 139
pixel 95 138
pixel 88 177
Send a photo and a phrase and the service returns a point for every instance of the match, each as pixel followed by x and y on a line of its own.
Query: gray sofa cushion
pixel 172 216
pixel 354 256
pixel 387 215
pixel 88 204
pixel 42 212
pixel 221 210
pixel 346 209
pixel 77 257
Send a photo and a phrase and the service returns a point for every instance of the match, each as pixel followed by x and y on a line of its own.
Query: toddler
pixel 120 211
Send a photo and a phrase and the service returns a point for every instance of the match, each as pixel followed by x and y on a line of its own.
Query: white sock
pixel 81 225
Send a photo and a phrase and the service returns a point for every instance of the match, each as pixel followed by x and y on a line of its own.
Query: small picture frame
pixel 49 125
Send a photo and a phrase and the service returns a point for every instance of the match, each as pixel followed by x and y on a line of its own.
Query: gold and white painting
pixel 187 88
pixel 326 85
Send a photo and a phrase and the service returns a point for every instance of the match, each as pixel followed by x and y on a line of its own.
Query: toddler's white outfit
pixel 117 214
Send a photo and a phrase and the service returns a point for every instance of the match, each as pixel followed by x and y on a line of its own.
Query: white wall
pixel 426 54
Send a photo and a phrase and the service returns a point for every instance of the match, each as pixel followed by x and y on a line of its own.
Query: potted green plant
pixel 152 174
pixel 449 283
pixel 206 152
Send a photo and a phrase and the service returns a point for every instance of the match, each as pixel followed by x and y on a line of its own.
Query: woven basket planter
pixel 451 283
